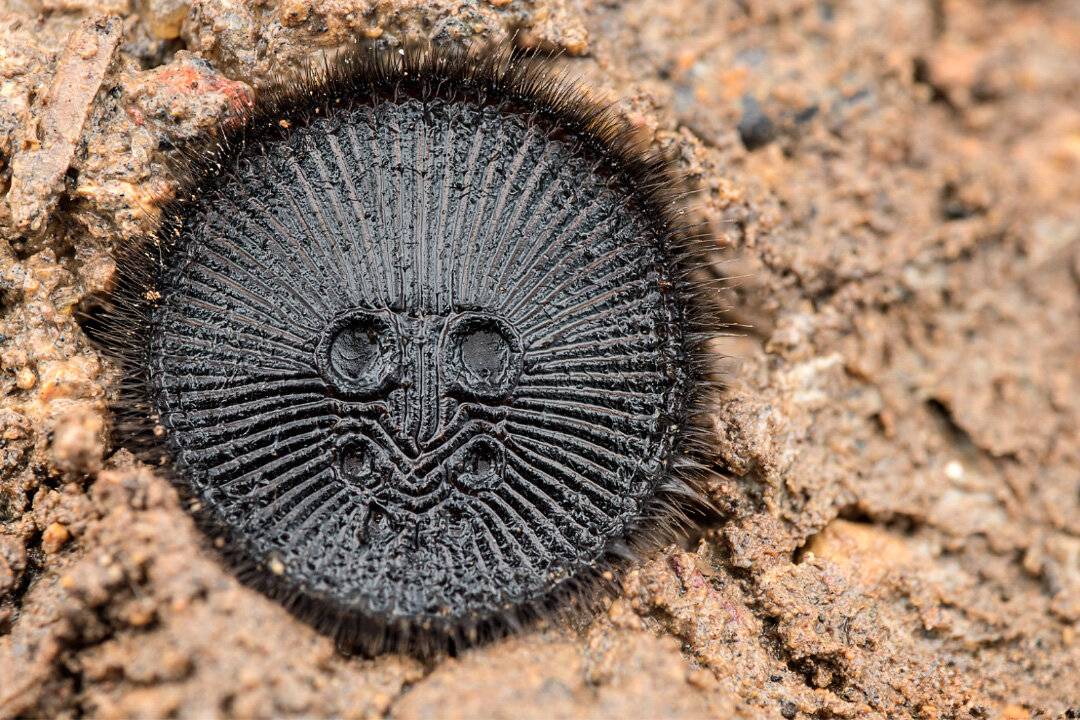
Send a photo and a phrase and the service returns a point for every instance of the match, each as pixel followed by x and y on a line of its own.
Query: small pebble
pixel 954 470
pixel 25 379
pixel 54 537
pixel 756 129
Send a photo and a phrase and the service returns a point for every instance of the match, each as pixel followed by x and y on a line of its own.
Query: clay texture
pixel 901 528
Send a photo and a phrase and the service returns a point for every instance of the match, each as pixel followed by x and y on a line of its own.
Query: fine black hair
pixel 487 77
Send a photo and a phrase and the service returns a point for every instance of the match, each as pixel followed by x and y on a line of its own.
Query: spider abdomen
pixel 420 349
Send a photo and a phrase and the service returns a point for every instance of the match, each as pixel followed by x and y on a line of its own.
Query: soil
pixel 894 193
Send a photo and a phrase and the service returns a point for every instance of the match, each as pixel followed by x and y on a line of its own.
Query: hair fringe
pixel 491 74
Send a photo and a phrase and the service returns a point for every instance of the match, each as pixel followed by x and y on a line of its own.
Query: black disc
pixel 417 347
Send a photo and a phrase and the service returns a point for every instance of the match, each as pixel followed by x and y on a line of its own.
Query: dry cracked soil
pixel 893 189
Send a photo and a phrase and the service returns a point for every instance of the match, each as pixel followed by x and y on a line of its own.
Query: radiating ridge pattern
pixel 422 355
